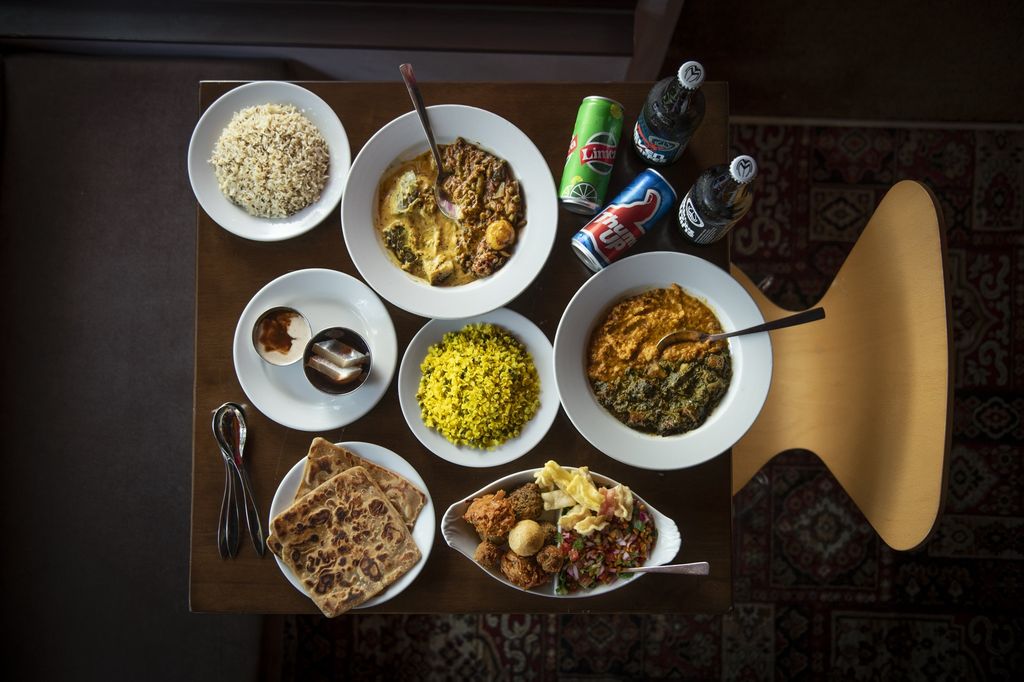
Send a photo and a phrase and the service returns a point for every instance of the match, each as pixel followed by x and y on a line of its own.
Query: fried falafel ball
pixel 551 534
pixel 522 571
pixel 550 559
pixel 491 515
pixel 527 502
pixel 487 554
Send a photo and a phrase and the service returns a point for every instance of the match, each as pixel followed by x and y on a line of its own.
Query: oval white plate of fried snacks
pixel 463 538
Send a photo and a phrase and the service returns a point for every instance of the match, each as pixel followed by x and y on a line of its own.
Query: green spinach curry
pixel 665 394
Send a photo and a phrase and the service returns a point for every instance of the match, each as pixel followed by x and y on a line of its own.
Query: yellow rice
pixel 479 386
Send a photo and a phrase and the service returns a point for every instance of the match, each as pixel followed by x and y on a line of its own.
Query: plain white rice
pixel 271 160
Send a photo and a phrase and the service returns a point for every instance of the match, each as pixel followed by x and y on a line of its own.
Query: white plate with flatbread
pixel 422 532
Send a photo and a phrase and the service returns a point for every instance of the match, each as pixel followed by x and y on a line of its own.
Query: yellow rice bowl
pixel 479 387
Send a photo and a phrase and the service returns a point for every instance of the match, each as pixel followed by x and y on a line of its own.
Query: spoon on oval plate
pixel 447 206
pixel 689 335
pixel 696 568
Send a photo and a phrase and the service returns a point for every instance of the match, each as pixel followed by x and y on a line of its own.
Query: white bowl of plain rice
pixel 268 160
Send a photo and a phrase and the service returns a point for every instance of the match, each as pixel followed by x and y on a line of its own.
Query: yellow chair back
pixel 869 388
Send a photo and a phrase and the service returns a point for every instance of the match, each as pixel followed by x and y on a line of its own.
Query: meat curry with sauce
pixel 424 242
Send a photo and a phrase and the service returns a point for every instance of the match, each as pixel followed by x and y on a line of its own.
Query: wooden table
pixel 229 270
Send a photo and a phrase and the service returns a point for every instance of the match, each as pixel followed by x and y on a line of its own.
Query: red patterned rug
pixel 852 609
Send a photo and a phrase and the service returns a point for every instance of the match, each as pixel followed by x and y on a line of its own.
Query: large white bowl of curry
pixel 402 140
pixel 750 357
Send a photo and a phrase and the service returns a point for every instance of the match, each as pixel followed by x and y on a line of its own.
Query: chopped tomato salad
pixel 597 558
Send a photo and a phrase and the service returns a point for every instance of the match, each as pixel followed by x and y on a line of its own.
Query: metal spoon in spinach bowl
pixel 690 335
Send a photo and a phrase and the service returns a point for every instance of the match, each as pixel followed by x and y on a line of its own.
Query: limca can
pixel 591 156
pixel 631 215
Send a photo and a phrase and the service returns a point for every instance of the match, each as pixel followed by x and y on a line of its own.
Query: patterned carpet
pixel 843 605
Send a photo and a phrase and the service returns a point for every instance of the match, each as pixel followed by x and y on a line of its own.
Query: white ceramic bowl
pixel 409 375
pixel 403 139
pixel 462 537
pixel 232 217
pixel 751 360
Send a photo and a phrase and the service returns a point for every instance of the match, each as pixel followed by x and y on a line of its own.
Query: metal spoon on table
pixel 227 522
pixel 696 568
pixel 230 428
pixel 689 335
pixel 447 206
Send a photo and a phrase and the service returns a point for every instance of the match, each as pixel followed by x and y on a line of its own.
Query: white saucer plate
pixel 327 298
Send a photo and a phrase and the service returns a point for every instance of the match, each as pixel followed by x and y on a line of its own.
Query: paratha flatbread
pixel 325 459
pixel 344 542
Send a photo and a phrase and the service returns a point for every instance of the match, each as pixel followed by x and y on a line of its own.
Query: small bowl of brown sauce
pixel 280 335
pixel 337 360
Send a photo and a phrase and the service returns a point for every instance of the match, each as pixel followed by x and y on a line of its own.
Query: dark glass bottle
pixel 671 114
pixel 718 199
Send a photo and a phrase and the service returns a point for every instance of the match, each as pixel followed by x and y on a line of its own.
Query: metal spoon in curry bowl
pixel 689 335
pixel 447 206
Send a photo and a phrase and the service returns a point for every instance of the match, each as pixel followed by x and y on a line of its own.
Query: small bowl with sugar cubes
pixel 337 360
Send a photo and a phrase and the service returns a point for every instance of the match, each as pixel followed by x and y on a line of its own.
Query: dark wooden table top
pixel 230 270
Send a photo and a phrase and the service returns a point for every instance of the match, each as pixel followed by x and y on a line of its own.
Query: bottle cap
pixel 691 75
pixel 743 169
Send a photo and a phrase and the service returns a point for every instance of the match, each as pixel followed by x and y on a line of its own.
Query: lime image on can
pixel 591 156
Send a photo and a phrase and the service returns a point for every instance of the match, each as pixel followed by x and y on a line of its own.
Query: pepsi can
pixel 630 216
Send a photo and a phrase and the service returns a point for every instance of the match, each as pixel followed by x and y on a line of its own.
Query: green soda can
pixel 591 157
